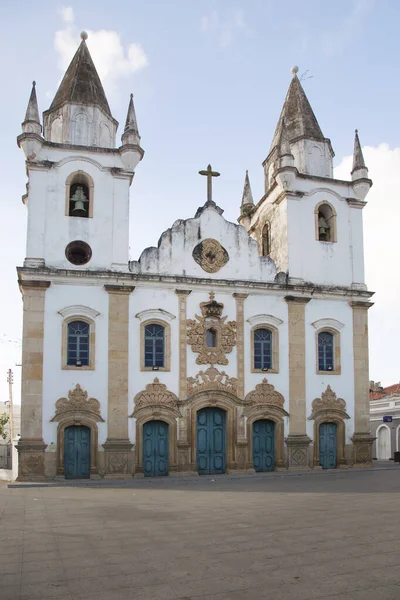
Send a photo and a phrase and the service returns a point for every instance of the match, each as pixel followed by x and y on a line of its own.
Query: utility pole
pixel 10 379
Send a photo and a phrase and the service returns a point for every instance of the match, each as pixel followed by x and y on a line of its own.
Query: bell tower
pixel 78 180
pixel 309 223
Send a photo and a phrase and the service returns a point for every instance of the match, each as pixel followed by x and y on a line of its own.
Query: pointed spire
pixel 131 131
pixel 297 114
pixel 32 111
pixel 358 157
pixel 81 83
pixel 247 197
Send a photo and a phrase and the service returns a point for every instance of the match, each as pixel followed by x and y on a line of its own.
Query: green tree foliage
pixel 4 418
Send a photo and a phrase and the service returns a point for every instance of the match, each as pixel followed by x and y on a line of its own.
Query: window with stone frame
pixel 262 349
pixel 78 344
pixel 326 351
pixel 154 346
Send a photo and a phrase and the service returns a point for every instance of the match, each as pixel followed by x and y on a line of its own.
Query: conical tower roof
pixel 298 116
pixel 81 83
pixel 32 111
pixel 358 157
pixel 247 197
pixel 131 122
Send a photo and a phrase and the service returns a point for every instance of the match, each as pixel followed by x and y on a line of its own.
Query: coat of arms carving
pixel 210 255
pixel 210 335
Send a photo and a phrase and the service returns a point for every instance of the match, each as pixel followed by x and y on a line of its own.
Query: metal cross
pixel 209 174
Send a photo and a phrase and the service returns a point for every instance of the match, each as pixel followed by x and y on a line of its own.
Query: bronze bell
pixel 80 200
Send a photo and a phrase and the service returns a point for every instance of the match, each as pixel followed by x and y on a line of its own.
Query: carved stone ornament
pixel 77 401
pixel 155 394
pixel 225 334
pixel 329 402
pixel 265 393
pixel 212 379
pixel 210 255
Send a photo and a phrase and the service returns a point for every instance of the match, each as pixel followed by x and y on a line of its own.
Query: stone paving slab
pixel 332 535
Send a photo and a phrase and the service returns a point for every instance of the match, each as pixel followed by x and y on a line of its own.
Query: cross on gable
pixel 209 173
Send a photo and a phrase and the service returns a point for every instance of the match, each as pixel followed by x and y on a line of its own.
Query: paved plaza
pixel 284 536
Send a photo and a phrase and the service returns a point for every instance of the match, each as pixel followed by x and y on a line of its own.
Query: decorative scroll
pixel 329 402
pixel 212 379
pixel 77 402
pixel 155 394
pixel 225 334
pixel 265 393
pixel 210 255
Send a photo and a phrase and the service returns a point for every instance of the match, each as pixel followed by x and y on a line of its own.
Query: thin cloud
pixel 334 42
pixel 224 31
pixel 381 217
pixel 113 61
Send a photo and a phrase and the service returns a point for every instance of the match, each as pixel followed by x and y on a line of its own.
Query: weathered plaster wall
pixel 174 254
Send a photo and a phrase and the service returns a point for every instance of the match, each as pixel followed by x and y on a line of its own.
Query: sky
pixel 209 79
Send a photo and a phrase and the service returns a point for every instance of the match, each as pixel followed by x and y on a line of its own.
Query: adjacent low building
pixel 385 420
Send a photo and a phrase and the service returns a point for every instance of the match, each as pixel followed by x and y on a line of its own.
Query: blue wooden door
pixel 264 445
pixel 327 445
pixel 211 441
pixel 155 449
pixel 77 452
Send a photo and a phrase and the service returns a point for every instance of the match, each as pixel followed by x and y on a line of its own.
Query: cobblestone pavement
pixel 331 535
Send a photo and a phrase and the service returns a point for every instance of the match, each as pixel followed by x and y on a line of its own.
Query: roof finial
pixel 247 197
pixel 294 70
pixel 31 122
pixel 131 132
pixel 358 158
pixel 84 35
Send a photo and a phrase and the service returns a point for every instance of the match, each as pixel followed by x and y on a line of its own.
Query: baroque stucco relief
pixel 210 255
pixel 225 334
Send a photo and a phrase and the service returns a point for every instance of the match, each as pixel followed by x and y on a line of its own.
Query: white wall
pixel 56 381
pixel 50 230
pixel 343 384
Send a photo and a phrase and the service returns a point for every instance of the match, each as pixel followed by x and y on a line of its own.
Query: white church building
pixel 229 347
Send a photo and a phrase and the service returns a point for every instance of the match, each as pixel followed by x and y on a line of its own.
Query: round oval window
pixel 78 253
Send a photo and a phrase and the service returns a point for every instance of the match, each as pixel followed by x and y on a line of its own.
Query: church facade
pixel 229 347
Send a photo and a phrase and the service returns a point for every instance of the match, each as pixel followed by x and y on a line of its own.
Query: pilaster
pixel 184 458
pixel 31 446
pixel 362 438
pixel 240 298
pixel 298 440
pixel 118 455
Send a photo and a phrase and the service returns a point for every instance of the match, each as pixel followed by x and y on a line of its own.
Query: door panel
pixel 77 452
pixel 264 445
pixel 155 449
pixel 327 445
pixel 211 441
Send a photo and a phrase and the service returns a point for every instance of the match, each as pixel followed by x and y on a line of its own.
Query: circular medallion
pixel 78 253
pixel 210 255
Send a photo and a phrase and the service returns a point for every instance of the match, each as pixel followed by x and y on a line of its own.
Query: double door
pixel 211 441
pixel 77 452
pixel 327 445
pixel 264 445
pixel 155 448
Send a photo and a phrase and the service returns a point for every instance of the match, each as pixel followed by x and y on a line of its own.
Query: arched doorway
pixel 328 445
pixel 383 443
pixel 77 452
pixel 264 445
pixel 211 440
pixel 155 448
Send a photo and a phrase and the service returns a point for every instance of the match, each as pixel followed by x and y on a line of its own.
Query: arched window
pixel 325 351
pixel 265 241
pixel 325 223
pixel 78 344
pixel 79 200
pixel 262 349
pixel 154 346
pixel 211 338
